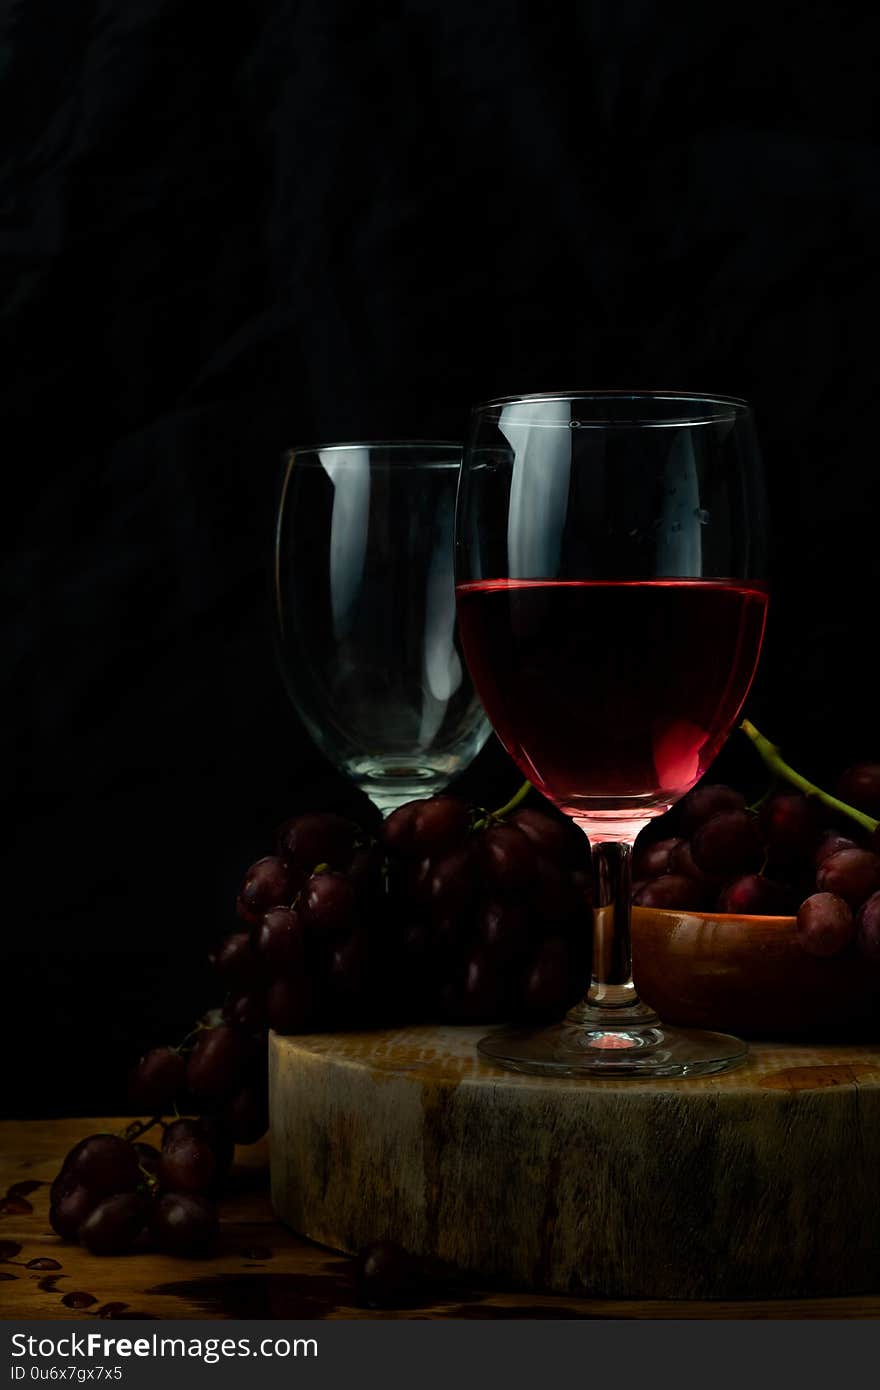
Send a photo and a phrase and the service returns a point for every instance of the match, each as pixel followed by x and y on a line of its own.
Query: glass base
pixel 615 1049
pixel 389 785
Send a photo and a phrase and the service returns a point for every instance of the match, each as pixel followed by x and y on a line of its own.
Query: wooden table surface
pixel 261 1269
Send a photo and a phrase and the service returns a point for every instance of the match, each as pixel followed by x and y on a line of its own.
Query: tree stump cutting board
pixel 760 1182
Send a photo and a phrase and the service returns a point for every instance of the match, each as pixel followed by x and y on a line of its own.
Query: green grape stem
pixel 774 760
pixel 514 801
pixel 488 817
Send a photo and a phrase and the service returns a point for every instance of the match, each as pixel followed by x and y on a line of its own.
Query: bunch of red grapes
pixel 115 1192
pixel 454 914
pixel 791 855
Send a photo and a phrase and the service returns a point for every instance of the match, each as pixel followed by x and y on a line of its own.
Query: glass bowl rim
pixel 738 404
pixel 427 445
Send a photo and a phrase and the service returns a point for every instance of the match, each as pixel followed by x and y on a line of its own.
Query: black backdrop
pixel 233 227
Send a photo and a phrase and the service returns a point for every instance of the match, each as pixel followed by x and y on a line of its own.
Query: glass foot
pixel 571 1049
pixel 389 785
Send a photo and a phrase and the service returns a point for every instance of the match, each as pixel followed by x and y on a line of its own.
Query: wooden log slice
pixel 760 1182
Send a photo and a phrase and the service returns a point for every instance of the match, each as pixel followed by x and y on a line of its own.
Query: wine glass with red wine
pixel 611 556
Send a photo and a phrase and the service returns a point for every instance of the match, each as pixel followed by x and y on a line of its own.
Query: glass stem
pixel 611 1000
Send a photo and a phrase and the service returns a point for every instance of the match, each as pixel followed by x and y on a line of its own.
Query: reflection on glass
pixel 366 618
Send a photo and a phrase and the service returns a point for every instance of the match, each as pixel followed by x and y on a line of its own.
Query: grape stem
pixel 512 804
pixel 774 760
pixel 139 1127
pixel 762 799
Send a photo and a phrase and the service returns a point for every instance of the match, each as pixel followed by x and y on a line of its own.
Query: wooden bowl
pixel 749 975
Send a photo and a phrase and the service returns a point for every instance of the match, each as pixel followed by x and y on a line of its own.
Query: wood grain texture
pixel 261 1269
pixel 758 1183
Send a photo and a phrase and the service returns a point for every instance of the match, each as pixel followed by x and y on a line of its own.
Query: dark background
pixel 235 227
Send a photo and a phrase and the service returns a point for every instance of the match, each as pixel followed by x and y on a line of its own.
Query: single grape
pixel 215 1063
pixel 63 1182
pixel 386 1276
pixel 364 872
pixel 450 884
pixel 582 887
pixel 69 1204
pixel 824 924
pixel 507 857
pixel 148 1158
pixel 188 1164
pixel 482 986
pixel 558 841
pixel 249 915
pixel 399 830
pixel 279 939
pixel 246 1011
pixel 706 801
pixel 681 861
pixel 789 823
pixel 754 894
pixel 504 928
pixel 315 838
pixel 859 786
pixel 234 960
pixel 448 936
pixel 113 1226
pixel 267 884
pixel 728 843
pixel 653 859
pixel 328 903
pixel 104 1163
pixel 182 1129
pixel 830 841
pixel 547 984
pixel 184 1224
pixel 551 894
pixel 672 892
pixel 246 1114
pixel 416 881
pixel 206 1129
pixel 158 1079
pixel 868 928
pixel 440 825
pixel 349 962
pixel 290 1004
pixel 853 874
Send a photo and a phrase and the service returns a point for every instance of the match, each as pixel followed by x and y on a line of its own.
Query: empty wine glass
pixel 610 558
pixel 365 607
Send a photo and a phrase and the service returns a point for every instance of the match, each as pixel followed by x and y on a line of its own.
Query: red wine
pixel 612 696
